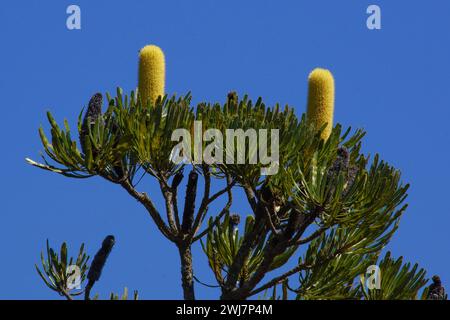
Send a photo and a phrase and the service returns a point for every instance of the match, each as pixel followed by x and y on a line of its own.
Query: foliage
pixel 398 281
pixel 67 276
pixel 329 207
pixel 56 273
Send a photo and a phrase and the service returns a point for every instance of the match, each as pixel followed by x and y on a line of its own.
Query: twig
pixel 309 238
pixel 281 278
pixel 270 222
pixel 225 209
pixel 205 284
pixel 221 192
pixel 142 176
pixel 148 204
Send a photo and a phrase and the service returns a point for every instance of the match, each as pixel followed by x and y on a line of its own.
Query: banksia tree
pixel 328 210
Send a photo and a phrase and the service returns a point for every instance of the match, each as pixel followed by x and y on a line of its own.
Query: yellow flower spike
pixel 152 72
pixel 321 100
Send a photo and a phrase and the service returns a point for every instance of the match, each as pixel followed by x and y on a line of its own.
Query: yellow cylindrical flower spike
pixel 152 72
pixel 321 100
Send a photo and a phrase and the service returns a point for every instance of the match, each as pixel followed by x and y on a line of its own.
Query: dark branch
pixel 189 203
pixel 175 183
pixel 225 209
pixel 204 204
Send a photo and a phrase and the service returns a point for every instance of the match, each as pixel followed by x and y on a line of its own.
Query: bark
pixel 187 280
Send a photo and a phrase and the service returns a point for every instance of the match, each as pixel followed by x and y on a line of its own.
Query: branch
pixel 312 216
pixel 309 238
pixel 248 243
pixel 186 271
pixel 270 222
pixel 281 278
pixel 175 183
pixel 297 269
pixel 251 197
pixel 205 201
pixel 276 246
pixel 189 202
pixel 205 284
pixel 225 209
pixel 230 185
pixel 169 200
pixel 148 204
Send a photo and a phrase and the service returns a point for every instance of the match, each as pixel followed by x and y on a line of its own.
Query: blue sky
pixel 392 82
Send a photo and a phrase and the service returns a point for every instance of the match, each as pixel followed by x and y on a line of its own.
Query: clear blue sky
pixel 393 82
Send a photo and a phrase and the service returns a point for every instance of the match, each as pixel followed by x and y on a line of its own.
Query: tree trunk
pixel 186 271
